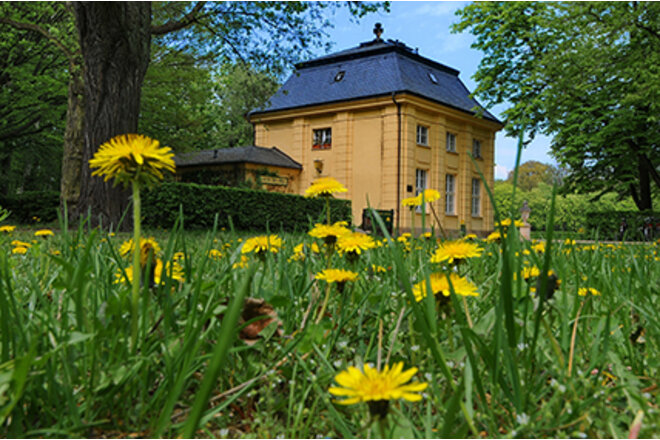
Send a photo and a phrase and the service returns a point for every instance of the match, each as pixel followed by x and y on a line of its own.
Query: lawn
pixel 239 336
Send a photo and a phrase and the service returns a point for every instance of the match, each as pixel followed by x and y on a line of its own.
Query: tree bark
pixel 115 41
pixel 644 202
pixel 73 144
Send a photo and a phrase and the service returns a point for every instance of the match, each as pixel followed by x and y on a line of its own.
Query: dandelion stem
pixel 325 304
pixel 573 335
pixel 135 293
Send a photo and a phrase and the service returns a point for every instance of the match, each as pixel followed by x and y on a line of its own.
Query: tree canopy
pixel 532 173
pixel 266 38
pixel 587 74
pixel 33 78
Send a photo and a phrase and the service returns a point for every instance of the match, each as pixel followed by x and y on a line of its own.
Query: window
pixel 322 139
pixel 420 183
pixel 451 142
pixel 450 194
pixel 476 198
pixel 422 135
pixel 432 77
pixel 476 149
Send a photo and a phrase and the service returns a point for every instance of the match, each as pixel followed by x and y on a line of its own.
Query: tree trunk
pixel 115 40
pixel 644 202
pixel 73 144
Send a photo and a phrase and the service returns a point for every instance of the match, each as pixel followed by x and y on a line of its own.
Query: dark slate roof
pixel 375 68
pixel 247 154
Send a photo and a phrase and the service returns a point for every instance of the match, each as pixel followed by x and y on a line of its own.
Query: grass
pixel 507 363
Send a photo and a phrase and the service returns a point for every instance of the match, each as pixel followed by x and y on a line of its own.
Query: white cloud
pixel 501 172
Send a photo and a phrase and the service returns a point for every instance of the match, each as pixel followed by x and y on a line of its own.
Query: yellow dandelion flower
pixel 172 270
pixel 584 291
pixel 455 250
pixel 215 254
pixel 530 272
pixel 377 388
pixel 7 228
pixel 430 195
pixel 374 268
pixel 440 284
pixel 43 233
pixel 470 237
pixel 355 242
pixel 262 244
pixel 19 243
pixel 132 157
pixel 336 275
pixel 330 233
pixel 242 264
pixel 20 250
pixel 494 237
pixel 178 256
pixel 149 248
pixel 411 201
pixel 324 186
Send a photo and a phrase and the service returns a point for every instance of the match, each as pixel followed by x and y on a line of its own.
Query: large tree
pixel 112 53
pixel 587 74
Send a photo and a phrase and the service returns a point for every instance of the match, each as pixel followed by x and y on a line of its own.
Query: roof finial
pixel 378 30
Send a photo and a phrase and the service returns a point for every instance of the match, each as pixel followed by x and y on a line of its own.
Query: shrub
pixel 607 223
pixel 31 205
pixel 249 209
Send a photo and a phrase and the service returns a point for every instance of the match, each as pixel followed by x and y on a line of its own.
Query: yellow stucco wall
pixel 364 154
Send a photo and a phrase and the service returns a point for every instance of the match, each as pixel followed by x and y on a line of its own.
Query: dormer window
pixel 432 77
pixel 322 139
pixel 340 75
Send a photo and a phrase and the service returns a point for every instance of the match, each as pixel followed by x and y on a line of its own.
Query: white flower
pixel 522 419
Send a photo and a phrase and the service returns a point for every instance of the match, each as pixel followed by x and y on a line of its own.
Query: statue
pixel 524 212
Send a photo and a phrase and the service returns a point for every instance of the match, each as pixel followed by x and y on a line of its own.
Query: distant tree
pixel 178 106
pixel 241 88
pixel 532 172
pixel 587 74
pixel 188 105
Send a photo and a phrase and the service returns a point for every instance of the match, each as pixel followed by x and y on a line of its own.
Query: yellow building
pixel 387 123
pixel 255 167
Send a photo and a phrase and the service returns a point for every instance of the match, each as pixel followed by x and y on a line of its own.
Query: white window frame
pixel 421 183
pixel 423 135
pixel 450 194
pixel 476 148
pixel 322 137
pixel 476 198
pixel 451 142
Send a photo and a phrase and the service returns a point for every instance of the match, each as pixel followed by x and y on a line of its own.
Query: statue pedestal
pixel 526 231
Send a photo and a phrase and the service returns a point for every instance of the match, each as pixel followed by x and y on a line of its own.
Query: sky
pixel 426 26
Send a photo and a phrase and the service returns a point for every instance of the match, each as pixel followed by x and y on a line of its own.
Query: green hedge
pixel 249 209
pixel 607 223
pixel 32 206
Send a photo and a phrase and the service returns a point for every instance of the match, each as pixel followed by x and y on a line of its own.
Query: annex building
pixel 387 123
